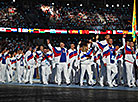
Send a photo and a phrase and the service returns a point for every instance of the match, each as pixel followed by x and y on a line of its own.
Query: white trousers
pixel 46 71
pixel 3 72
pixel 111 72
pixel 9 74
pixel 29 74
pixel 0 72
pixel 62 67
pixel 130 75
pixel 21 74
pixel 84 68
pixel 71 69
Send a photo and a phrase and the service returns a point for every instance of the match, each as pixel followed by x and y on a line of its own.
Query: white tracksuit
pixel 13 67
pixel 21 73
pixel 18 71
pixel 30 62
pixel 39 58
pixel 62 59
pixel 73 55
pixel 137 57
pixel 101 45
pixel 129 62
pixel 9 70
pixel 0 67
pixel 46 70
pixel 86 66
pixel 4 66
pixel 110 59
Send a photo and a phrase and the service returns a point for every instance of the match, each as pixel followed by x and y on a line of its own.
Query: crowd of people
pixel 88 18
pixel 64 17
pixel 10 17
pixel 104 63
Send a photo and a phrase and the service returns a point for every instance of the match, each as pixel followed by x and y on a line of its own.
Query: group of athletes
pixel 97 62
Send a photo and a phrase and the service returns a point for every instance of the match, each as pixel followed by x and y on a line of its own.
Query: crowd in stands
pixel 65 17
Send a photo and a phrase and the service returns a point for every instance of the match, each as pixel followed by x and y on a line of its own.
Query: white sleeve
pixel 26 55
pixel 50 46
pixel 123 40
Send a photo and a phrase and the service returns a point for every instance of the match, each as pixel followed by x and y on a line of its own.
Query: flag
pixel 36 31
pixel 42 30
pixel 134 22
pixel 31 30
pixel 2 29
pixel 14 29
pixel 8 29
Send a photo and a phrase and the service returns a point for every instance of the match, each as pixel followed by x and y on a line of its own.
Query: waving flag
pixel 30 57
pixel 134 22
pixel 56 52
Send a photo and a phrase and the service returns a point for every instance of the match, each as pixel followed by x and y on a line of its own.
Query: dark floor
pixel 10 93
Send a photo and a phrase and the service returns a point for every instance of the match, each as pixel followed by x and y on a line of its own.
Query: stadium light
pixel 53 3
pixel 112 5
pixel 123 5
pixel 67 4
pixel 107 5
pixel 117 5
pixel 128 5
pixel 80 4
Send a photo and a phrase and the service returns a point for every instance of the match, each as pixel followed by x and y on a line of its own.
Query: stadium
pixel 68 50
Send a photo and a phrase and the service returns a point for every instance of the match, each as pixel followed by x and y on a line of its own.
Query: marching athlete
pixel 62 55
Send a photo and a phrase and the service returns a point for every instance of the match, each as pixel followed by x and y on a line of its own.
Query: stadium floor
pixel 15 92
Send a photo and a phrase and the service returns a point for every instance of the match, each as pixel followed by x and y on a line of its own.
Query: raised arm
pixel 49 45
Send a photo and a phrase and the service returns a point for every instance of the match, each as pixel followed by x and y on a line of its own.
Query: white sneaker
pixel 114 84
pixel 133 85
pixel 110 85
pixel 101 84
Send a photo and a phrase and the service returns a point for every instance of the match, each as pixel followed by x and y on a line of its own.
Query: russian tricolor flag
pixel 56 52
pixel 30 57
